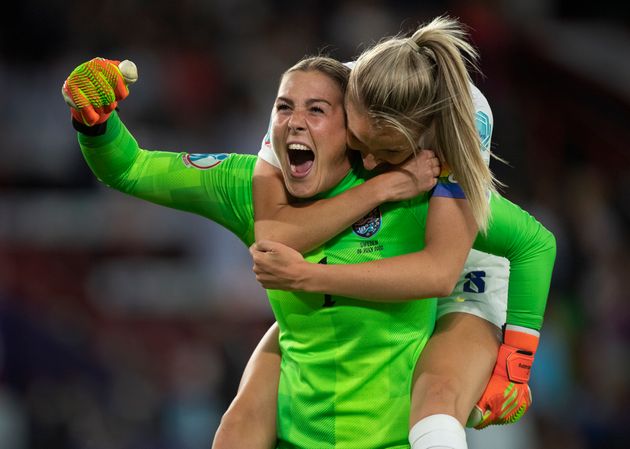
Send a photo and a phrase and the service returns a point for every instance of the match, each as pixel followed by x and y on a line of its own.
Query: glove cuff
pixel 521 338
pixel 92 131
pixel 516 354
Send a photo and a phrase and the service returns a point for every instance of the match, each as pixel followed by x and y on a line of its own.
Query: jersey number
pixel 328 301
pixel 475 282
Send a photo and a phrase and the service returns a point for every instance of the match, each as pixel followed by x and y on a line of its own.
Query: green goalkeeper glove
pixel 94 89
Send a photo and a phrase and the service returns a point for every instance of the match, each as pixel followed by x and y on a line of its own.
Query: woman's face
pixel 377 145
pixel 309 133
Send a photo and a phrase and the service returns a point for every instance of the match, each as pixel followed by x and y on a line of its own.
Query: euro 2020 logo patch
pixel 203 161
pixel 368 225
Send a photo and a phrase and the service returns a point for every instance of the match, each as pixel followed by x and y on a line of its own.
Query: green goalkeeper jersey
pixel 346 364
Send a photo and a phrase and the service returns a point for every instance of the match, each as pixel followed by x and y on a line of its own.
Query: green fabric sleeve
pixel 222 193
pixel 531 250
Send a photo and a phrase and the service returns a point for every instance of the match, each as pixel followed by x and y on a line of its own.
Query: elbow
pixel 548 246
pixel 445 284
pixel 552 244
pixel 444 291
pixel 264 230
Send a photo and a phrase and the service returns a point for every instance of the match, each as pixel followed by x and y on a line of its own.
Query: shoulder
pixel 480 102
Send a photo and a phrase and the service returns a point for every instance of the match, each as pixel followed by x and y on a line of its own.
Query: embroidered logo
pixel 368 225
pixel 476 282
pixel 484 127
pixel 203 161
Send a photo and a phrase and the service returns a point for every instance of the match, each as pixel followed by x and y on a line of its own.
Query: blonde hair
pixel 413 83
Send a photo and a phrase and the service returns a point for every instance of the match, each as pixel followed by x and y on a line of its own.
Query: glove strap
pixel 516 354
pixel 93 131
pixel 517 365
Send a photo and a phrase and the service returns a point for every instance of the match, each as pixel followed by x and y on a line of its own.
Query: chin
pixel 306 187
pixel 301 188
pixel 302 191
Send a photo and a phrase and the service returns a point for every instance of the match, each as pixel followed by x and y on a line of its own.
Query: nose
pixel 369 161
pixel 297 122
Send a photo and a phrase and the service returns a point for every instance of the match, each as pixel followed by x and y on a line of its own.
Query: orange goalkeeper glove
pixel 507 396
pixel 94 89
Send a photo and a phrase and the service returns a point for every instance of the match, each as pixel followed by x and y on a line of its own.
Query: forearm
pixel 117 160
pixel 530 279
pixel 431 272
pixel 304 226
pixel 531 250
pixel 111 153
pixel 395 279
pixel 250 421
pixel 170 179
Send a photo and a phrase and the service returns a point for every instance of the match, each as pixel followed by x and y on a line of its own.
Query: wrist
pixel 516 354
pixel 312 274
pixel 95 130
pixel 521 338
pixel 376 190
pixel 112 129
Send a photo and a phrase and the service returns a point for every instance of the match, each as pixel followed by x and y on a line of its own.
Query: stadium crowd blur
pixel 124 325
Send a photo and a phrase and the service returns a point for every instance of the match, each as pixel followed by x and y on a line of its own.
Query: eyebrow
pixel 309 102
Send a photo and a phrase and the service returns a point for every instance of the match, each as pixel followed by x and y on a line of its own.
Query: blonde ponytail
pixel 414 84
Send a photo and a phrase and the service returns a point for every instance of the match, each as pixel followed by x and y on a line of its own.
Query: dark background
pixel 124 325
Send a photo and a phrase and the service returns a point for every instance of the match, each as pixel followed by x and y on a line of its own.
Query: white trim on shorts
pixel 481 290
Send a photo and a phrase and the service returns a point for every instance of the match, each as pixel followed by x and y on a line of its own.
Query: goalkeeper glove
pixel 94 89
pixel 507 396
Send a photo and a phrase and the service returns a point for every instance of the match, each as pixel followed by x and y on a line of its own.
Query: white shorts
pixel 481 290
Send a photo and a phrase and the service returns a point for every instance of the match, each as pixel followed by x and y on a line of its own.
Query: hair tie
pixel 413 44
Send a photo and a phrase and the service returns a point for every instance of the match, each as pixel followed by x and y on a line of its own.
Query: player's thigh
pixel 456 364
pixel 255 403
pixel 454 367
pixel 461 345
pixel 469 319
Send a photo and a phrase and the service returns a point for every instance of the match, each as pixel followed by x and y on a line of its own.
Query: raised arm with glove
pixel 95 87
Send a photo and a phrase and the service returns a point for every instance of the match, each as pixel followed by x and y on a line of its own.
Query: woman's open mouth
pixel 301 159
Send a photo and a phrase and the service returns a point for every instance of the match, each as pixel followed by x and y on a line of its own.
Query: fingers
pixel 91 116
pixel 88 115
pixel 120 88
pixel 429 156
pixel 265 246
pixel 255 253
pixel 434 162
pixel 66 95
pixel 436 169
pixel 110 107
pixel 258 252
pixel 95 87
pixel 263 277
pixel 475 418
pixel 263 255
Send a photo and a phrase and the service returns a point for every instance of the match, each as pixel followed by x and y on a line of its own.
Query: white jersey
pixel 482 288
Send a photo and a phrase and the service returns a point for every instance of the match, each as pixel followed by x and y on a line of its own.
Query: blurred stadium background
pixel 124 325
